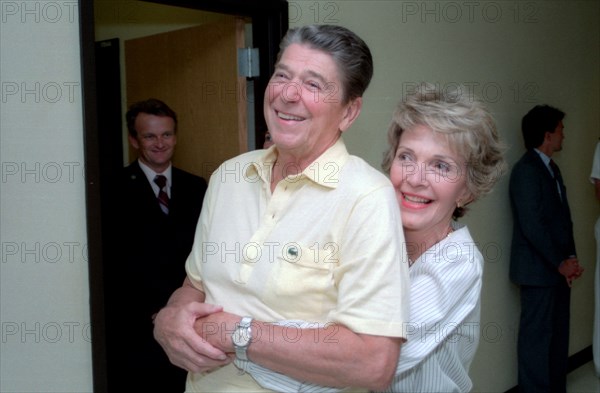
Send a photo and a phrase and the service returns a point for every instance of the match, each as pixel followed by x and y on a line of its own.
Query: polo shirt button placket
pixel 244 273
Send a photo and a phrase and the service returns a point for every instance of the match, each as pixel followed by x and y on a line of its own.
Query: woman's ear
pixel 465 198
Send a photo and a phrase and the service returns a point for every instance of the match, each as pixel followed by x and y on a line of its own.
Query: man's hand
pixel 217 329
pixel 174 331
pixel 571 270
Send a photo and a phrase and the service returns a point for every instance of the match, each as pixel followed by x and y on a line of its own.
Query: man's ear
pixel 351 113
pixel 133 141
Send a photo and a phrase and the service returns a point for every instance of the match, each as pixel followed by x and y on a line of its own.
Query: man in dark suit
pixel 153 232
pixel 543 259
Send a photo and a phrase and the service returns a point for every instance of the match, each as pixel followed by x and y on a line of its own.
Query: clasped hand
pixel 571 270
pixel 174 331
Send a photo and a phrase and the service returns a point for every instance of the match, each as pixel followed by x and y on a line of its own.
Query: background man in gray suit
pixel 543 258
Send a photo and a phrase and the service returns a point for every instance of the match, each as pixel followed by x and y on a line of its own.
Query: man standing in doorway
pixel 543 258
pixel 157 208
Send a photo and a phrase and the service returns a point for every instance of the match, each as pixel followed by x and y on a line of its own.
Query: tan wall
pixel 513 55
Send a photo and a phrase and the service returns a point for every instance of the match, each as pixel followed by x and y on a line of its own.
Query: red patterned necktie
pixel 163 198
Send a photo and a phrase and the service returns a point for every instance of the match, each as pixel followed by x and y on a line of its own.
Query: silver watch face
pixel 241 337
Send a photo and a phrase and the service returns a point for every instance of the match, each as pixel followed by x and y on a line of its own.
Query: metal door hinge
pixel 248 62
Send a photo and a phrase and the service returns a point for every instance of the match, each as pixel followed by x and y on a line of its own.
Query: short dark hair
pixel 349 52
pixel 151 106
pixel 539 120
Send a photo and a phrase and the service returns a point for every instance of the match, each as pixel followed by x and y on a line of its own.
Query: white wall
pixel 45 338
pixel 514 54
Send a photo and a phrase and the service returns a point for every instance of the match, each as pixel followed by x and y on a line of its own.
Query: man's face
pixel 303 103
pixel 557 137
pixel 155 140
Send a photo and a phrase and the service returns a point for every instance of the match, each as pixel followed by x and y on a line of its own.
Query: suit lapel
pixel 561 184
pixel 562 196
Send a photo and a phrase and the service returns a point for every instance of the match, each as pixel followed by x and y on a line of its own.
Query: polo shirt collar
pixel 325 170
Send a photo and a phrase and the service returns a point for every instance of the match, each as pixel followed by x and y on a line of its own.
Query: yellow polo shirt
pixel 325 246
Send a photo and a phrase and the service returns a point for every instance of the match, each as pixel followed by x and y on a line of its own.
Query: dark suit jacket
pixel 145 259
pixel 543 230
pixel 156 244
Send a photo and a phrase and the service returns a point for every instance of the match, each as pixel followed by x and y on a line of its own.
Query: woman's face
pixel 303 102
pixel 429 179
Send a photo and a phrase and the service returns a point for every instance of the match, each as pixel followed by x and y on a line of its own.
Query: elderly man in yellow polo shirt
pixel 300 231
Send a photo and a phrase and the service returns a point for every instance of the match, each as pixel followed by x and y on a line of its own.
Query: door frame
pixel 269 24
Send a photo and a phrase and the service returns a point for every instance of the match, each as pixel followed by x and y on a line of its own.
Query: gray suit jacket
pixel 543 230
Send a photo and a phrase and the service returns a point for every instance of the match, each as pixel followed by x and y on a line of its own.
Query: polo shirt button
pixel 292 251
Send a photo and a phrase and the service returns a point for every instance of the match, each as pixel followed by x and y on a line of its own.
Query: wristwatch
pixel 242 336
